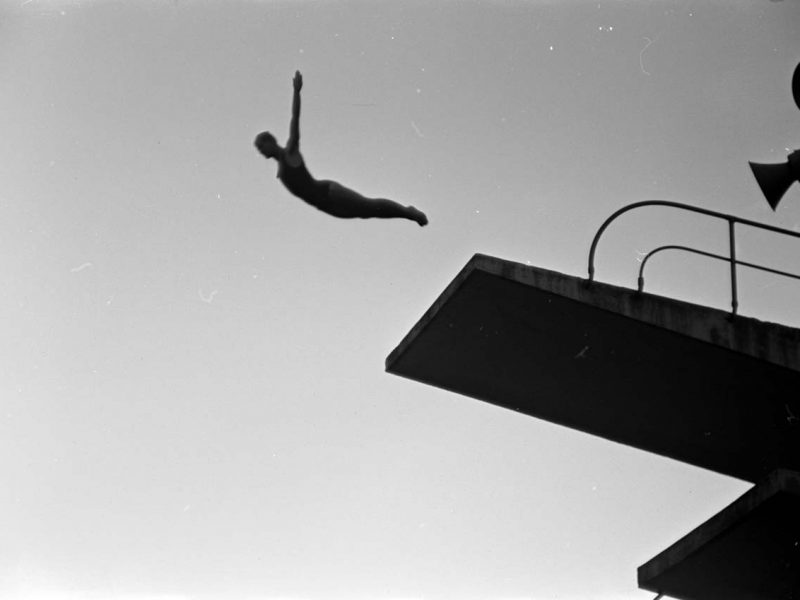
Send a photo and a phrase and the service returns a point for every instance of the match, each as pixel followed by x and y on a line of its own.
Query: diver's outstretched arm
pixel 293 145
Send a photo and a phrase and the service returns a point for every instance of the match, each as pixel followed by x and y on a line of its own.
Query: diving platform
pixel 688 382
pixel 748 551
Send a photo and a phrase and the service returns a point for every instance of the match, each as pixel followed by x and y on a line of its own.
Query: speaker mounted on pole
pixel 775 179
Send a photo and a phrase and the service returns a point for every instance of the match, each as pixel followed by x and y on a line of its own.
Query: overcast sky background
pixel 192 397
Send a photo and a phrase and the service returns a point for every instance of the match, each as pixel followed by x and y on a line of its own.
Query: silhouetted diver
pixel 326 195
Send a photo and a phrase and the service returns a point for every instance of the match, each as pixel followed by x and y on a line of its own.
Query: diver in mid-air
pixel 326 195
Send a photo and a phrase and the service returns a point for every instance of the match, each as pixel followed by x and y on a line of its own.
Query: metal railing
pixel 732 221
pixel 709 254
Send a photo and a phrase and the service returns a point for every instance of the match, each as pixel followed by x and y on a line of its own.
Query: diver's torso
pixel 297 179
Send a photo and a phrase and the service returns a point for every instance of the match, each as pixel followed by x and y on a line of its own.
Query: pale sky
pixel 193 404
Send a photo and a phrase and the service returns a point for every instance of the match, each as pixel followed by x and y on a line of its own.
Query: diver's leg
pixel 348 203
pixel 388 209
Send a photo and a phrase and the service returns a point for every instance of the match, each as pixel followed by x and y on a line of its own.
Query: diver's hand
pixel 297 81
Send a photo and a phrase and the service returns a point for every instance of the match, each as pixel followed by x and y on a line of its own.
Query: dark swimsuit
pixel 299 182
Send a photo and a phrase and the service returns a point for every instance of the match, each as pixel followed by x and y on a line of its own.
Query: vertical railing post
pixel 734 295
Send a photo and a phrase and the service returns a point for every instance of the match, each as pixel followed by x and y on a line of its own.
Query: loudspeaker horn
pixel 796 85
pixel 775 179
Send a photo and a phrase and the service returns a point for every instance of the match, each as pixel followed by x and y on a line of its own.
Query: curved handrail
pixel 710 254
pixel 731 219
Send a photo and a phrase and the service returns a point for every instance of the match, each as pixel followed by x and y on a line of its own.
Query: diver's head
pixel 267 144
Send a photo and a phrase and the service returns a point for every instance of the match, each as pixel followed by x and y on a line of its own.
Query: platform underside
pixel 683 381
pixel 748 551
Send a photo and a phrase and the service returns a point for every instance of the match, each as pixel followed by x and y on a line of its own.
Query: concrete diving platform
pixel 748 551
pixel 684 381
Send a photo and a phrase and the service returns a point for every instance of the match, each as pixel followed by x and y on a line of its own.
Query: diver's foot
pixel 418 216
